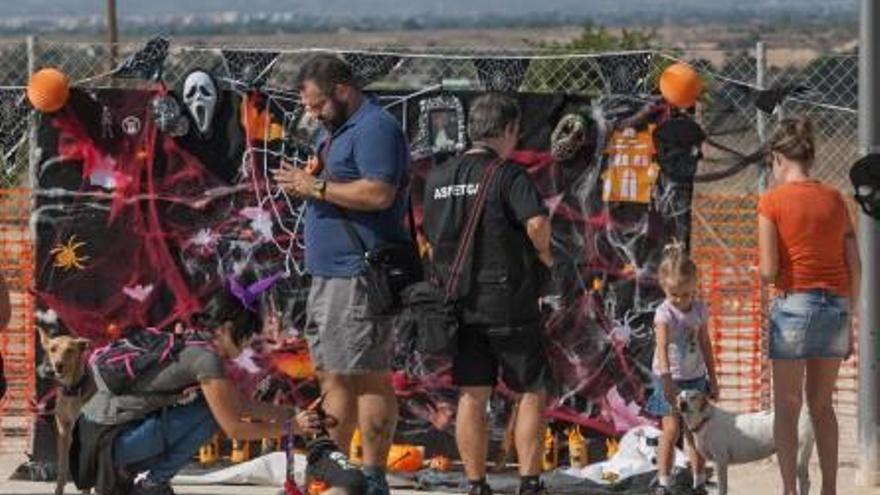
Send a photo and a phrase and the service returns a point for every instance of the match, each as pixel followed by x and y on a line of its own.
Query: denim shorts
pixel 657 404
pixel 810 325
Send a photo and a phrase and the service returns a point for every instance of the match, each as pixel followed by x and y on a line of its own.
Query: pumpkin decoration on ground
pixel 406 458
pixel 681 85
pixel 48 90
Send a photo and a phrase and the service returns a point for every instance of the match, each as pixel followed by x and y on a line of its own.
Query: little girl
pixel 683 360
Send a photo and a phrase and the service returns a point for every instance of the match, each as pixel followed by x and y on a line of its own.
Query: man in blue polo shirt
pixel 365 159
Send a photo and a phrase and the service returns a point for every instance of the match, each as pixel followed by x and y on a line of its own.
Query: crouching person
pixel 136 441
pixel 500 336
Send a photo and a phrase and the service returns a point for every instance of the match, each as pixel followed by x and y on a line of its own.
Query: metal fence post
pixel 761 118
pixel 761 128
pixel 32 124
pixel 869 233
pixel 761 83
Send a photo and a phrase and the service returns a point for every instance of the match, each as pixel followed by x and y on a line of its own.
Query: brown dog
pixel 75 387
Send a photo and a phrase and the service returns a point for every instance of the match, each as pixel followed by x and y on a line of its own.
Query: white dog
pixel 726 438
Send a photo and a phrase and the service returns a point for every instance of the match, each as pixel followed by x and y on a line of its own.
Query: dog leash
pixel 699 426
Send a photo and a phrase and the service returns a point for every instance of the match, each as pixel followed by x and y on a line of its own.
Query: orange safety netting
pixel 724 245
pixel 17 341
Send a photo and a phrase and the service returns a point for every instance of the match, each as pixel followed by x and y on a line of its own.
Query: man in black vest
pixel 498 286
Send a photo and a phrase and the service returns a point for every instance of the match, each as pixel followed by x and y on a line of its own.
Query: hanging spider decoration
pixel 66 255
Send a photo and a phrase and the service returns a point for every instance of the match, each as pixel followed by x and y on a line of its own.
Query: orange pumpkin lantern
pixel 241 451
pixel 441 464
pixel 48 90
pixel 406 458
pixel 356 452
pixel 317 487
pixel 113 331
pixel 681 85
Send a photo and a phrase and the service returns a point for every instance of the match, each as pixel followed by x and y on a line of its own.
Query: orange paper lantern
pixel 48 90
pixel 681 85
pixel 405 458
pixel 356 452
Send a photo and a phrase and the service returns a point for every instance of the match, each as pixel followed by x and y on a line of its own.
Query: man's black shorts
pixel 517 352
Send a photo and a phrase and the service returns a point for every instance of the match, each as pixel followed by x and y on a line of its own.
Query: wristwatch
pixel 319 188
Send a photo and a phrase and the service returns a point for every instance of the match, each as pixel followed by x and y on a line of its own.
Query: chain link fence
pixel 727 111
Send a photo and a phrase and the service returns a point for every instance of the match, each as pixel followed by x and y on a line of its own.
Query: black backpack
pixel 119 364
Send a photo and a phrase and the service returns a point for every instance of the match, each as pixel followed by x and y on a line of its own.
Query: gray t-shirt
pixel 160 389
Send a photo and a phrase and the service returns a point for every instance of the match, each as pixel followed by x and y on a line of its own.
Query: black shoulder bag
pixel 431 314
pixel 388 269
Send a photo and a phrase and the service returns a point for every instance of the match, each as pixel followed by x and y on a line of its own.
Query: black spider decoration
pixel 146 63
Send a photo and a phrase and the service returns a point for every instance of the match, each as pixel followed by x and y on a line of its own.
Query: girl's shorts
pixel 659 407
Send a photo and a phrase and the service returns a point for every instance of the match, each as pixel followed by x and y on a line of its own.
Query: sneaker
pixel 701 490
pixel 481 489
pixel 146 486
pixel 532 490
pixel 376 485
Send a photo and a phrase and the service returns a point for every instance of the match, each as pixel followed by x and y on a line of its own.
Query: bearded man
pixel 364 169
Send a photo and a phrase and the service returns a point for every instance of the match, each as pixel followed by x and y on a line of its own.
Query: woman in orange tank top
pixel 809 251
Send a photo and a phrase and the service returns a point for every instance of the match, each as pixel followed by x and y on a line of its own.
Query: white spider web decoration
pixel 14 121
pixel 501 74
pixel 370 67
pixel 286 212
pixel 250 68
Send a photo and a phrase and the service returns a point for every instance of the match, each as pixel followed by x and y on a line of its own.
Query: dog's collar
pixel 696 429
pixel 75 388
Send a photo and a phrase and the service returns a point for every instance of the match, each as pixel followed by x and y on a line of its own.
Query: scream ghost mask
pixel 201 96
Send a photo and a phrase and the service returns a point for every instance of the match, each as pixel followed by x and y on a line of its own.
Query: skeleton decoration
pixel 865 177
pixel 165 112
pixel 201 97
